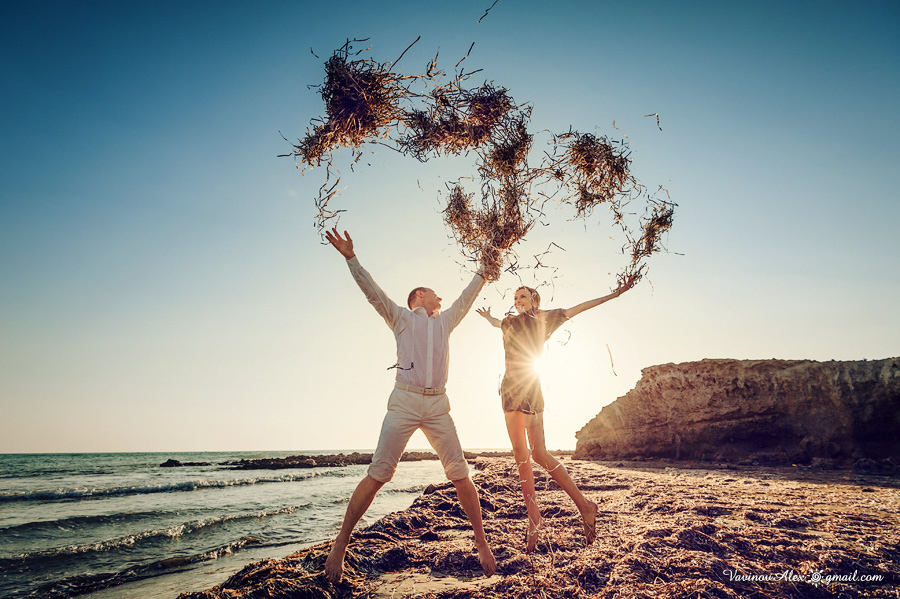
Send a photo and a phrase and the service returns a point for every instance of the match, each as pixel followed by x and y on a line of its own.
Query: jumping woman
pixel 524 336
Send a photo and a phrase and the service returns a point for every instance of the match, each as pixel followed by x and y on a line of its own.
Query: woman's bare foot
pixel 589 523
pixel 486 557
pixel 532 533
pixel 334 565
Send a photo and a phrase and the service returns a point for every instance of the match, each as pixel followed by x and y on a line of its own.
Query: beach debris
pixel 662 532
pixel 427 115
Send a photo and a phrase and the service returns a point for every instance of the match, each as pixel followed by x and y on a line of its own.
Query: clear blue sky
pixel 162 286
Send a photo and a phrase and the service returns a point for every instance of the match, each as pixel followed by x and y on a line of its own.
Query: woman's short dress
pixel 524 336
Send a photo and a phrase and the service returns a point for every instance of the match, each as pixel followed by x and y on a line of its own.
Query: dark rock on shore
pixel 170 463
pixel 828 414
pixel 340 459
pixel 319 461
pixel 302 461
pixel 333 460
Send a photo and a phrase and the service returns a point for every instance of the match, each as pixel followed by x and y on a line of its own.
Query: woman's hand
pixel 626 284
pixel 486 313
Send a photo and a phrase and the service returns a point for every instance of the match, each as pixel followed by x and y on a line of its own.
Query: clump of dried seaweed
pixel 454 120
pixel 507 211
pixel 486 233
pixel 507 153
pixel 363 101
pixel 654 224
pixel 592 170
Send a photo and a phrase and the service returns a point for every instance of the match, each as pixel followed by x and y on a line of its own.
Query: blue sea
pixel 116 525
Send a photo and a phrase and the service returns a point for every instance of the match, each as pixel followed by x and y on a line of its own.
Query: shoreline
pixel 662 531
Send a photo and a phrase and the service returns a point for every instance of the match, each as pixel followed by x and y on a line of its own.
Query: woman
pixel 524 335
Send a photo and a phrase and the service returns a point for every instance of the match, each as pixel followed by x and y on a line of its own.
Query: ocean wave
pixel 174 531
pixel 86 583
pixel 73 523
pixel 400 491
pixel 412 489
pixel 79 493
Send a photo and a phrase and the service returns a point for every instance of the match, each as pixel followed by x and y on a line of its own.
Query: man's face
pixel 430 301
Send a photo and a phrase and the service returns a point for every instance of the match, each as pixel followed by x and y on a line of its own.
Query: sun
pixel 543 365
pixel 574 376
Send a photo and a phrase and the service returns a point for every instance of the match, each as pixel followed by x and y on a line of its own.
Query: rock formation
pixel 170 463
pixel 767 411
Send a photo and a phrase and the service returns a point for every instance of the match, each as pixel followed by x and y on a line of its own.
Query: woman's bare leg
pixel 587 508
pixel 515 426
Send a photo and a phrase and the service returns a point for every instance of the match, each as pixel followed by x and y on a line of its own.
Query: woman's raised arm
pixel 626 284
pixel 486 312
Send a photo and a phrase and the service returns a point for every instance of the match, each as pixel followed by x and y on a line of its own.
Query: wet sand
pixel 662 531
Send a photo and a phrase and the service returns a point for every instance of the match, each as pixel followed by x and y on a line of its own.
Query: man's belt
pixel 421 390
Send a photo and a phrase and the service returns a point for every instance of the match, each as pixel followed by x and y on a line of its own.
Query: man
pixel 418 401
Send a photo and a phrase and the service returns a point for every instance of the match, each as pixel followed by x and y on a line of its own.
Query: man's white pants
pixel 407 412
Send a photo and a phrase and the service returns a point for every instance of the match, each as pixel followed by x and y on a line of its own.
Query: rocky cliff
pixel 768 411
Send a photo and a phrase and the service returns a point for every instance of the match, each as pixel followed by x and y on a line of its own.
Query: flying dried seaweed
pixel 486 233
pixel 454 120
pixel 363 101
pixel 653 226
pixel 366 102
pixel 593 170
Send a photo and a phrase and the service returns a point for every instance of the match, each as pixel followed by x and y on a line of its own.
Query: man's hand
pixel 344 246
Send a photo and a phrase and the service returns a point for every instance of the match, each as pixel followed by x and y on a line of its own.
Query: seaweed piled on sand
pixel 423 116
pixel 663 534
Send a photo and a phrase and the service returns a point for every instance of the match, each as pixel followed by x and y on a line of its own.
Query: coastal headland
pixel 834 414
pixel 663 531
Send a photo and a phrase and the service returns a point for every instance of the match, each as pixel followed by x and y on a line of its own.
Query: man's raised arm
pixel 384 305
pixel 463 303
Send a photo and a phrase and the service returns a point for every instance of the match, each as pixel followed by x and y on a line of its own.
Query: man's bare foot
pixel 334 565
pixel 589 523
pixel 531 535
pixel 486 557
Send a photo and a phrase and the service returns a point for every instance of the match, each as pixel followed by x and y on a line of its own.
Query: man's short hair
pixel 412 296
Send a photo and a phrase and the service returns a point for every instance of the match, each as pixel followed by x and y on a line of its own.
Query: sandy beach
pixel 664 530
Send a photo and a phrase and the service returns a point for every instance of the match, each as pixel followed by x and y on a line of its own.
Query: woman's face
pixel 523 301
